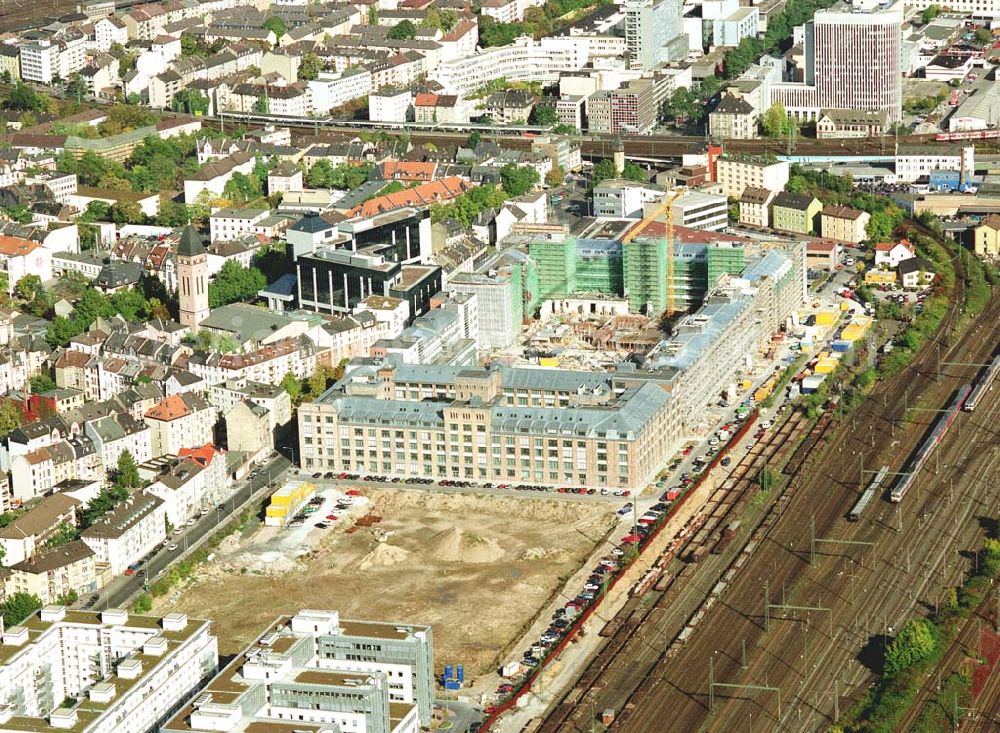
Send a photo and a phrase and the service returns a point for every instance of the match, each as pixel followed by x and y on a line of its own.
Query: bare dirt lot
pixel 477 568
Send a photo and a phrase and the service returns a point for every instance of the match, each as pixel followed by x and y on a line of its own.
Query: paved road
pixel 121 590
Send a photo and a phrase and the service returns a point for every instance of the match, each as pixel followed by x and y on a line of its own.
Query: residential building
pixel 56 574
pixel 888 255
pixel 234 223
pixel 29 532
pixel 225 395
pixel 755 206
pixel 324 672
pixel 62 185
pixel 390 104
pixel 986 237
pixel 104 672
pixel 248 428
pixel 916 161
pixel 624 198
pixel 653 32
pixel 128 533
pixel 607 438
pixel 915 272
pixel 733 118
pixel 195 480
pixel 795 212
pixel 822 256
pixel 526 59
pixel 285 177
pixel 20 257
pixel 268 364
pixel 114 435
pixel 700 210
pixel 742 23
pixel 214 176
pixel 180 421
pixel 844 224
pixel 633 108
pixel 40 61
pixel 735 174
pixel 851 123
pixel 331 90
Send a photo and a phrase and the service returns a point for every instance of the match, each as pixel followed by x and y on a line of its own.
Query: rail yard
pixel 799 663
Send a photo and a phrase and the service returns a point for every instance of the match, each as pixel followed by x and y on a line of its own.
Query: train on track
pixel 982 385
pixel 930 443
pixel 866 497
pixel 969 135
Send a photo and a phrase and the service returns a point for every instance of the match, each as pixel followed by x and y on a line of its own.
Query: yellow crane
pixel 663 207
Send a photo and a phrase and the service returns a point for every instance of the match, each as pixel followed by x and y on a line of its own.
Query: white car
pixel 713 441
pixel 766 424
pixel 172 546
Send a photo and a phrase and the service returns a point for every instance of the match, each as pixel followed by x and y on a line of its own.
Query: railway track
pixel 803 661
pixel 664 612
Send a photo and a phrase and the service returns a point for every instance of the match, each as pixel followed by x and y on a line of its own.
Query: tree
pixel 403 31
pixel 19 213
pixel 60 331
pixel 24 99
pixel 292 386
pixel 19 607
pixel 556 176
pixel 984 36
pixel 235 283
pixel 634 172
pixel 372 15
pixel 127 471
pixel 317 382
pixel 41 383
pixel 475 137
pixel 126 212
pixel 929 14
pixel 310 67
pixel 28 287
pixel 143 604
pixel 683 106
pixel 171 214
pixel 10 417
pixel 776 121
pixel 544 116
pixel 915 642
pixel 276 24
pixel 77 88
pixel 191 101
pixel 518 180
pixel 603 170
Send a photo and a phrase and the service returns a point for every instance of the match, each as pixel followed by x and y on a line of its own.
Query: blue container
pixel 448 674
pixel 841 346
pixel 460 673
pixel 452 685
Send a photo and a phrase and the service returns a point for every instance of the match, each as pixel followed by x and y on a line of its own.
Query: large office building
pixel 106 672
pixel 499 294
pixel 319 673
pixel 546 426
pixel 653 32
pixel 852 61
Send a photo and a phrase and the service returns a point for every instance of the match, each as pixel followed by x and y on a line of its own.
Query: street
pixel 121 590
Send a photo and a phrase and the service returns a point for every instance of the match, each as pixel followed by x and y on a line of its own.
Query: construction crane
pixel 663 207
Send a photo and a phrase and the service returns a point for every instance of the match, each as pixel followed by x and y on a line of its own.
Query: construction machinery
pixel 663 207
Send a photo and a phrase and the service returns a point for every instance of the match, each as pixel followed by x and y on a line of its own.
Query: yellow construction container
pixel 286 501
pixel 844 306
pixel 825 366
pixel 548 361
pixel 763 392
pixel 856 330
pixel 826 318
pixel 746 384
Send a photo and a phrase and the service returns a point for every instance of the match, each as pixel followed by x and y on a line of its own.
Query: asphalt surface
pixel 121 590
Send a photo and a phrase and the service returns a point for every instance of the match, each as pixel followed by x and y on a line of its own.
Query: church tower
pixel 192 278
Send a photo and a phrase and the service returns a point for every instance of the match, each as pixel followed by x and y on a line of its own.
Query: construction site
pixel 447 559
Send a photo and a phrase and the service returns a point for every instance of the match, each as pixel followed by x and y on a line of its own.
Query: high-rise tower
pixel 192 278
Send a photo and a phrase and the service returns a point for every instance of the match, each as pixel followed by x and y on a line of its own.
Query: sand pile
pixel 453 545
pixel 383 556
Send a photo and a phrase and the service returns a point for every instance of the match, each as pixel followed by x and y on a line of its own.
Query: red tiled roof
pixel 444 189
pixel 15 246
pixel 171 408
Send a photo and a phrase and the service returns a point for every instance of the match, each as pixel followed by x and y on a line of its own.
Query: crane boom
pixel 664 207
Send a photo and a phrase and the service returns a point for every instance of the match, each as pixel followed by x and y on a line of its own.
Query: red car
pixel 630 538
pixel 353 492
pixel 332 517
pixel 687 451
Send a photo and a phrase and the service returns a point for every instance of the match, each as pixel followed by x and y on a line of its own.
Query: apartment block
pixel 180 421
pixel 844 223
pixel 735 174
pixel 100 673
pixel 315 671
pixel 546 426
pixel 56 573
pixel 128 533
pixel 499 294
